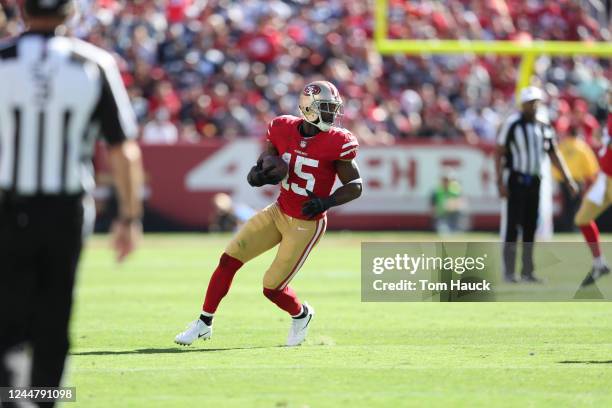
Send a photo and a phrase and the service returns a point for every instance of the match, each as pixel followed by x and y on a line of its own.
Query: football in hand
pixel 274 168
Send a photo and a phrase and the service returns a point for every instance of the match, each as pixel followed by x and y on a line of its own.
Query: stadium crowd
pixel 199 69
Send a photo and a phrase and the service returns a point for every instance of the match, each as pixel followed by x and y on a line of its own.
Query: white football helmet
pixel 320 104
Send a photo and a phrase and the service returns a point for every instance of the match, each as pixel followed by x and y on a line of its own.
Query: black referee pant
pixel 521 215
pixel 40 244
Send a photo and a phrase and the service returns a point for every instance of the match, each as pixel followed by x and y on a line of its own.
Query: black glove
pixel 258 176
pixel 316 205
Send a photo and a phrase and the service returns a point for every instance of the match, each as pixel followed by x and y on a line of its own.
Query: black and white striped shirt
pixel 57 96
pixel 526 143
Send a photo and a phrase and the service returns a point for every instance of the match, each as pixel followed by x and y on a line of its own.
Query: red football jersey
pixel 605 153
pixel 310 159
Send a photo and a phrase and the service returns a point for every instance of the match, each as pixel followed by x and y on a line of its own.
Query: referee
pixel 57 96
pixel 522 142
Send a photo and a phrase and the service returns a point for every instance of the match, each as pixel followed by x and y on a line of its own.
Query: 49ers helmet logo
pixel 312 90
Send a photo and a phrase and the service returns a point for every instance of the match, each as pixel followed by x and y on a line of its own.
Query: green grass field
pixel 357 355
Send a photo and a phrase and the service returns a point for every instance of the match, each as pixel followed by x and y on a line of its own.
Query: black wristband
pixel 330 202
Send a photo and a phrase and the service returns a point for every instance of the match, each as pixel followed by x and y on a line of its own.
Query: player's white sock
pixel 599 261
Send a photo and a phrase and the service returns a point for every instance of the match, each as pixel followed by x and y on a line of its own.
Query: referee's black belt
pixel 10 198
pixel 524 179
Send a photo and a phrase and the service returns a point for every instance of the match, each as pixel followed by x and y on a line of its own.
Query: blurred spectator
pixel 480 124
pixel 594 85
pixel 448 206
pixel 160 130
pixel 222 219
pixel 225 68
pixel 3 18
pixel 164 96
pixel 227 215
pixel 580 119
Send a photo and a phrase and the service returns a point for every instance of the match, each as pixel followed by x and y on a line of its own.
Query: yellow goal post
pixel 528 50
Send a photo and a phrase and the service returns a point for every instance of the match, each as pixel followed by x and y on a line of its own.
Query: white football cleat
pixel 196 330
pixel 299 327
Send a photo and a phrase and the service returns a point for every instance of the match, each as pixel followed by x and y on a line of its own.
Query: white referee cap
pixel 531 93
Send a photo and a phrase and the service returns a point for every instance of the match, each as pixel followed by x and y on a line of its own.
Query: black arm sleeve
pixel 114 111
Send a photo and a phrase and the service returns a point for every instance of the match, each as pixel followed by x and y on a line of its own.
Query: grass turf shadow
pixel 165 350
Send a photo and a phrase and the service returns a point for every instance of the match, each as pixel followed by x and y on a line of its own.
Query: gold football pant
pixel 596 200
pixel 270 227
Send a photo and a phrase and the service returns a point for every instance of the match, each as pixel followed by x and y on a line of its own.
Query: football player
pixel 315 152
pixel 596 200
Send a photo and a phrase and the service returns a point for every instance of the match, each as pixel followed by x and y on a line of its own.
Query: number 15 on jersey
pixel 298 170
